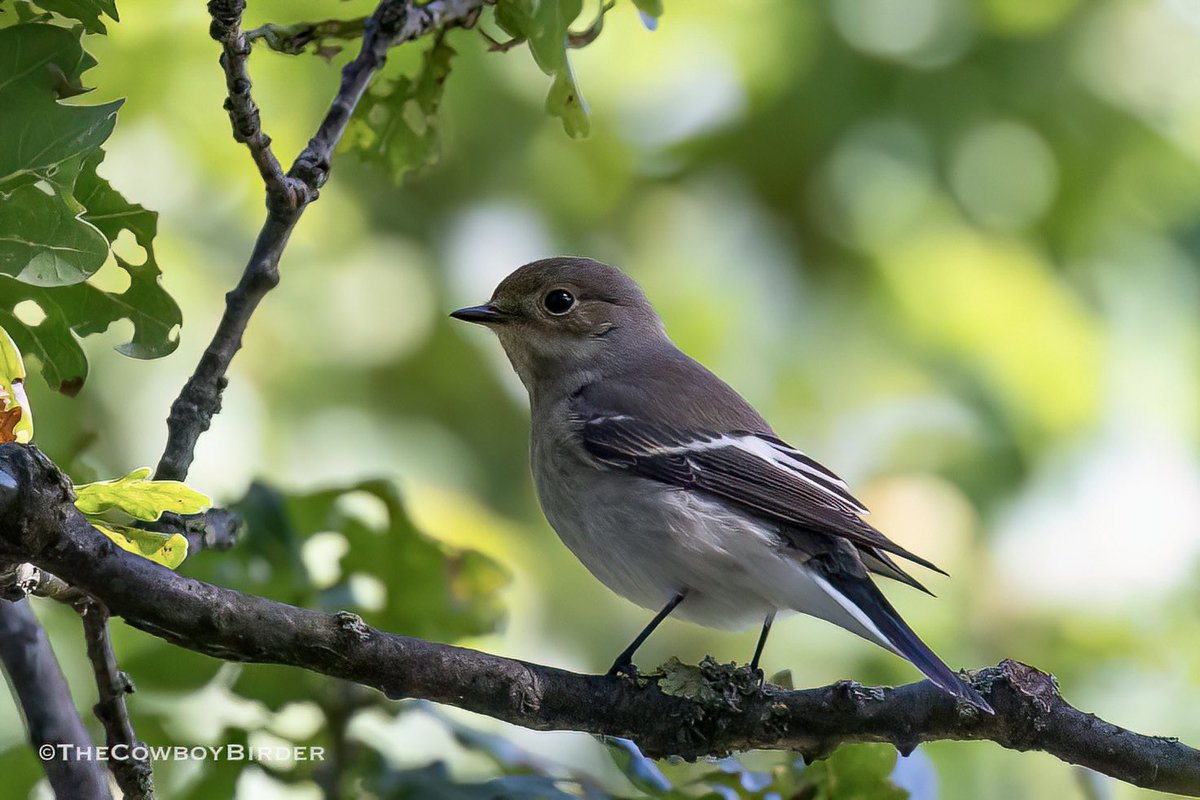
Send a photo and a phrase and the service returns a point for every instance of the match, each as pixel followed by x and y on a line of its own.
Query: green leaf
pixel 435 781
pixel 643 773
pixel 43 243
pixel 20 12
pixel 168 549
pixel 21 769
pixel 544 24
pixel 36 61
pixel 154 314
pixel 854 772
pixel 64 365
pixel 566 103
pixel 86 11
pixel 140 498
pixel 396 123
pixel 83 309
pixel 58 218
pixel 432 590
pixel 651 11
pixel 361 532
pixel 428 589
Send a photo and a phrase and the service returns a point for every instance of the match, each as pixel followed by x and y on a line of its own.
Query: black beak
pixel 486 314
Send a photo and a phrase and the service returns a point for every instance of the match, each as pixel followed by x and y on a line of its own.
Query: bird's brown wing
pixel 754 471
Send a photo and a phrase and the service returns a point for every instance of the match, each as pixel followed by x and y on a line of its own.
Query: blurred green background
pixel 949 248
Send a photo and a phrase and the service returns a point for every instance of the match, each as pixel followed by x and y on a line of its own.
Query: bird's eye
pixel 559 301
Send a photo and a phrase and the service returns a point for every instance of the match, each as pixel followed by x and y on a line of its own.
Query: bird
pixel 671 489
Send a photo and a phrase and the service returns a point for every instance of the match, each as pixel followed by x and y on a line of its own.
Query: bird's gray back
pixel 666 386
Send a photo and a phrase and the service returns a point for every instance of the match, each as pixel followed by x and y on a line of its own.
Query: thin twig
pixel 41 526
pixel 226 28
pixel 294 38
pixel 394 22
pixel 56 731
pixel 134 775
pixel 339 704
pixel 215 529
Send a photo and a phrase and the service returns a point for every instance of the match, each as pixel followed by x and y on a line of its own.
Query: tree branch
pixel 39 524
pixel 215 529
pixel 394 22
pixel 50 715
pixel 135 776
pixel 292 39
pixel 22 580
pixel 226 28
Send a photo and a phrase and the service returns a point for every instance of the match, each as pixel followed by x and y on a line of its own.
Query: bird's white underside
pixel 647 541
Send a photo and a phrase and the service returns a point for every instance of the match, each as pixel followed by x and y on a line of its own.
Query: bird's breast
pixel 646 540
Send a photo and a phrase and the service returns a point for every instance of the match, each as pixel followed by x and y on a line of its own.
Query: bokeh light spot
pixel 877 183
pixel 1004 175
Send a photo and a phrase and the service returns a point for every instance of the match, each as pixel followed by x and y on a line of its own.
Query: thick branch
pixel 394 22
pixel 41 526
pixel 50 715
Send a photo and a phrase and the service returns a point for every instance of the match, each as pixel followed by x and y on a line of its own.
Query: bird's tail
pixel 863 600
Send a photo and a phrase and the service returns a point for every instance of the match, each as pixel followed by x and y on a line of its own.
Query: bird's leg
pixel 762 641
pixel 626 657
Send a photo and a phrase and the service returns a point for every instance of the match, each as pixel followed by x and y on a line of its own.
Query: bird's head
pixel 562 318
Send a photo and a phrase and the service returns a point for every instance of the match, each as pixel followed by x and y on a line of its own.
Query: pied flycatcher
pixel 670 488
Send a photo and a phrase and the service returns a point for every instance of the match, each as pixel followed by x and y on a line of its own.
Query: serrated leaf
pixel 431 590
pixel 396 123
pixel 134 494
pixel 64 365
pixel 86 11
pixel 566 103
pixel 146 304
pixel 40 46
pixel 39 132
pixel 43 239
pixel 16 416
pixel 43 242
pixel 83 309
pixel 20 12
pixel 168 549
pixel 544 24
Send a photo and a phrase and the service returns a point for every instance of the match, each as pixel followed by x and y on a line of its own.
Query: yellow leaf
pixel 168 549
pixel 16 417
pixel 138 497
